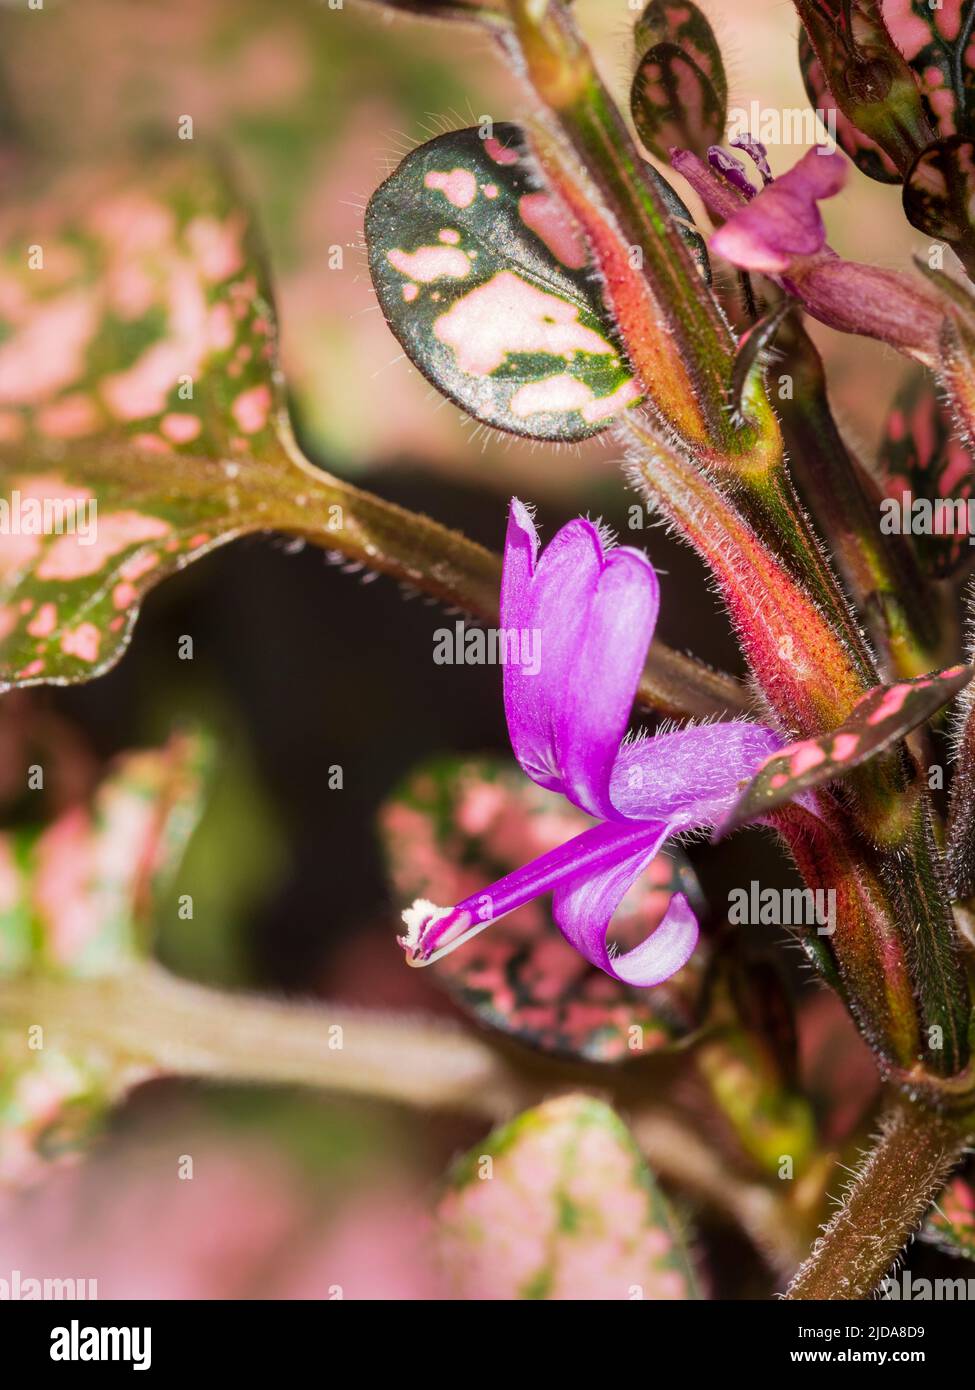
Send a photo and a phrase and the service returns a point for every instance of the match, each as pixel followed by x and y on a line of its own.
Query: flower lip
pixel 783 221
pixel 595 610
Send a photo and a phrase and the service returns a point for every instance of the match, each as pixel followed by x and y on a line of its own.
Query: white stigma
pixel 421 914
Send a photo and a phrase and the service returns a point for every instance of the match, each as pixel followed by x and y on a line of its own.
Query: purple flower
pixel 779 231
pixel 591 614
pixel 783 221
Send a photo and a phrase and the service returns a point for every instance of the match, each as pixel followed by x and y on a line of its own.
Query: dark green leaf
pixel 866 154
pixel 486 282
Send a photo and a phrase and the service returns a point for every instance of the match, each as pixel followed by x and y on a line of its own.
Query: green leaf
pixel 951 1223
pixel 559 1204
pixel 486 282
pixel 139 405
pixel 456 826
pixel 882 717
pixel 76 899
pixel 679 95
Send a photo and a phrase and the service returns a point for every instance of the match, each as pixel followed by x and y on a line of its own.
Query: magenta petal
pixel 434 930
pixel 584 904
pixel 591 616
pixel 692 776
pixel 784 221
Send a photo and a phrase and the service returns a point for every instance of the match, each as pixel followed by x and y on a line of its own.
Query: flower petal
pixel 692 776
pixel 590 617
pixel 584 904
pixel 433 931
pixel 783 222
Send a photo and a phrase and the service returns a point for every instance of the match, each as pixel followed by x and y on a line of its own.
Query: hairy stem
pixel 883 1207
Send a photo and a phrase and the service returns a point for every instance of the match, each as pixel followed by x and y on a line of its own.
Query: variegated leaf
pixel 929 475
pixel 936 41
pixel 951 1222
pixel 866 154
pixel 559 1204
pixel 76 899
pixel 882 717
pixel 456 826
pixel 75 896
pixel 940 188
pixel 679 94
pixel 139 403
pixel 683 24
pixel 487 283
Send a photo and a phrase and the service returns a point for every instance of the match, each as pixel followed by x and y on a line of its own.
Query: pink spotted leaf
pixel 679 94
pixel 559 1205
pixel 76 899
pixel 940 187
pixel 880 719
pixel 951 1221
pixel 139 403
pixel 928 478
pixel 487 282
pixel 456 826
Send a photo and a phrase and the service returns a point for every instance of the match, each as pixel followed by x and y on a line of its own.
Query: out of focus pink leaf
pixel 75 899
pixel 559 1204
pixel 140 409
pixel 951 1222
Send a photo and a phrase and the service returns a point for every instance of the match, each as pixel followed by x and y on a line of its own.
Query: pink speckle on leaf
pixel 82 642
pixel 180 428
pixel 891 704
pixel 500 153
pixel 459 186
pixel 45 622
pixel 217 246
pixel 124 595
pixel 68 558
pixel 429 263
pixel 68 418
pixel 508 315
pixel 251 408
pixel 546 217
pixel 805 757
pixel 844 746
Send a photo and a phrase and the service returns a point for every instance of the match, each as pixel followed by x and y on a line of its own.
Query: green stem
pixel 151 1018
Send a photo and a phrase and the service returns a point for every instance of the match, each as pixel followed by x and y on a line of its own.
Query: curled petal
pixel 589 616
pixel 434 931
pixel 584 904
pixel 690 777
pixel 783 222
